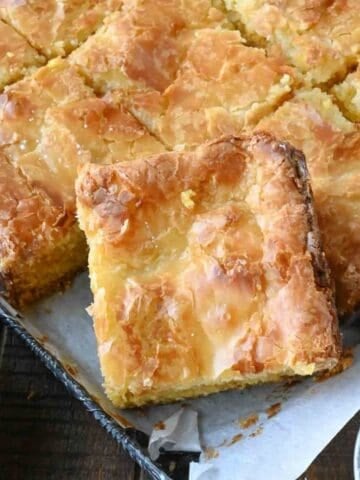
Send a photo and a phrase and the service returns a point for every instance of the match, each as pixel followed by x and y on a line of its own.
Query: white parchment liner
pixel 279 448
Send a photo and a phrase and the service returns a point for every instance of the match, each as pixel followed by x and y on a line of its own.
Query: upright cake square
pixel 207 270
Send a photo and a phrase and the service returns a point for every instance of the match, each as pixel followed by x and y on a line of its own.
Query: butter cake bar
pixel 331 144
pixel 142 46
pixel 206 269
pixel 50 124
pixel 17 57
pixel 221 86
pixel 56 27
pixel 321 38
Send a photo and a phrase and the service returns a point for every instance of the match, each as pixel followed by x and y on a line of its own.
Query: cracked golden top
pixel 331 144
pixel 136 48
pixel 56 27
pixel 320 37
pixel 17 57
pixel 206 270
pixel 217 90
pixel 50 124
pixel 136 78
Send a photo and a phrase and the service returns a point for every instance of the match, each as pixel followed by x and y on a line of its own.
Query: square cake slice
pixel 40 243
pixel 56 27
pixel 314 124
pixel 221 86
pixel 321 38
pixel 143 45
pixel 207 270
pixel 50 124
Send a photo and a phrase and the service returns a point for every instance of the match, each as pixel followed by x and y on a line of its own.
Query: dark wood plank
pixel 336 461
pixel 45 434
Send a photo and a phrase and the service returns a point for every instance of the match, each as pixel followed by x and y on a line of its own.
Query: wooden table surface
pixel 45 434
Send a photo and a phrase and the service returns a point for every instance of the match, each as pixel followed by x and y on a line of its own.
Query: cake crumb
pixel 159 426
pixel 71 369
pixel 235 439
pixel 273 410
pixel 210 452
pixel 257 431
pixel 187 199
pixel 249 421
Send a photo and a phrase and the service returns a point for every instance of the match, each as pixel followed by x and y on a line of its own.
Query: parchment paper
pixel 238 440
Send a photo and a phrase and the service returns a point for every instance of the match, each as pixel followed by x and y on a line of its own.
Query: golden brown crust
pixel 31 224
pixel 206 269
pixel 50 124
pixel 138 48
pixel 331 144
pixel 221 86
pixel 17 57
pixel 322 39
pixel 56 27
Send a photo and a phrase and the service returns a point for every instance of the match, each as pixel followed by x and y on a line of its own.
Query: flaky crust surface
pixel 221 86
pixel 50 124
pixel 320 37
pixel 206 269
pixel 138 48
pixel 331 144
pixel 56 27
pixel 17 57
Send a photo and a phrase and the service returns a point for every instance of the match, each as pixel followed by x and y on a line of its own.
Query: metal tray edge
pixel 11 318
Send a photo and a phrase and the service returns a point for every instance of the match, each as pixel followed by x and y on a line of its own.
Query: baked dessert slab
pixel 40 244
pixel 56 27
pixel 50 124
pixel 17 57
pixel 331 144
pixel 142 46
pixel 221 86
pixel 347 94
pixel 321 38
pixel 24 104
pixel 206 269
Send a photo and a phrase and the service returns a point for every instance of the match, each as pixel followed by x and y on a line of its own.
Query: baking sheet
pixel 272 431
